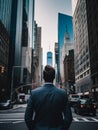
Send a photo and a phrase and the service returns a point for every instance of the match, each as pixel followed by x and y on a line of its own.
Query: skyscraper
pixel 5 13
pixel 92 19
pixel 37 57
pixel 64 21
pixel 81 53
pixel 49 58
pixel 56 61
pixel 65 52
pixel 5 22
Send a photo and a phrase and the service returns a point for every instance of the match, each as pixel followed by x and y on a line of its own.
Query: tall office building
pixel 81 41
pixel 4 56
pixel 27 38
pixel 65 52
pixel 49 58
pixel 56 61
pixel 69 75
pixel 37 59
pixel 64 21
pixel 18 17
pixel 92 20
pixel 21 34
pixel 5 21
pixel 5 13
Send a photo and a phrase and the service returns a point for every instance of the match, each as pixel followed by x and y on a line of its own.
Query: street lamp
pixel 12 83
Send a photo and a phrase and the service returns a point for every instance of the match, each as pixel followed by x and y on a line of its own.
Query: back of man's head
pixel 48 73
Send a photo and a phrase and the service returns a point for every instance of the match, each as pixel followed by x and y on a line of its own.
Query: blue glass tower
pixel 49 58
pixel 64 21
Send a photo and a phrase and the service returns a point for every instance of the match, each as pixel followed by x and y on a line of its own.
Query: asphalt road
pixel 14 120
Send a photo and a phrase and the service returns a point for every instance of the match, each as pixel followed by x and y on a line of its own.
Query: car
pixel 85 106
pixel 73 98
pixel 21 98
pixel 6 105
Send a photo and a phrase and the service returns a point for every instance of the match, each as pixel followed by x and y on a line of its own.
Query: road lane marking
pixel 85 119
pixel 75 119
pixel 81 119
pixel 16 122
pixel 11 119
pixel 95 119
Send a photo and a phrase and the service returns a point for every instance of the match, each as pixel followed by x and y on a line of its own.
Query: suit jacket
pixel 48 109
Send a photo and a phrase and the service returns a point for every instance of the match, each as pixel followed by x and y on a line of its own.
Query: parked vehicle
pixel 85 106
pixel 73 98
pixel 6 105
pixel 21 98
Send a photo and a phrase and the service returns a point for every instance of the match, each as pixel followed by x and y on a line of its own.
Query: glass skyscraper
pixel 5 13
pixel 64 23
pixel 49 58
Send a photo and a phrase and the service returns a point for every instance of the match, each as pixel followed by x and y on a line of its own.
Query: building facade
pixel 81 47
pixel 5 43
pixel 4 56
pixel 22 41
pixel 69 73
pixel 5 13
pixel 92 20
pixel 18 17
pixel 37 57
pixel 65 52
pixel 64 21
pixel 56 61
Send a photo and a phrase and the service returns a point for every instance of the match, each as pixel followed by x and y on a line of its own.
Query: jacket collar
pixel 48 84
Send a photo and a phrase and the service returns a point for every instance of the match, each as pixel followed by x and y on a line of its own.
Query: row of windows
pixel 81 62
pixel 4 47
pixel 3 33
pixel 83 68
pixel 4 53
pixel 83 75
pixel 4 59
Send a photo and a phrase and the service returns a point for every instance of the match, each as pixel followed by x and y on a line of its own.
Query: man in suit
pixel 48 107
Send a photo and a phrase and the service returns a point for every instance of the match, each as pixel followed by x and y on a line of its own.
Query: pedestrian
pixel 48 107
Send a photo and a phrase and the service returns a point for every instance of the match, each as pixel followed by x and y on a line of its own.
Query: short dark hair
pixel 48 73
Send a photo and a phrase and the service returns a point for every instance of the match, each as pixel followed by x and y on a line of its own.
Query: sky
pixel 46 16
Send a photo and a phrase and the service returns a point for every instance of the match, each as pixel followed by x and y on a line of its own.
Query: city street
pixel 45 44
pixel 14 119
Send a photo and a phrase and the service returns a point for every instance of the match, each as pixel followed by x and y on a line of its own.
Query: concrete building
pixel 81 48
pixel 92 20
pixel 69 73
pixel 68 45
pixel 4 56
pixel 5 43
pixel 37 58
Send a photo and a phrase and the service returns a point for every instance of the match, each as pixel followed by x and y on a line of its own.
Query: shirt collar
pixel 48 83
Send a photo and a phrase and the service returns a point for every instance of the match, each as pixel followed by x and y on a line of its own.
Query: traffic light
pixel 2 69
